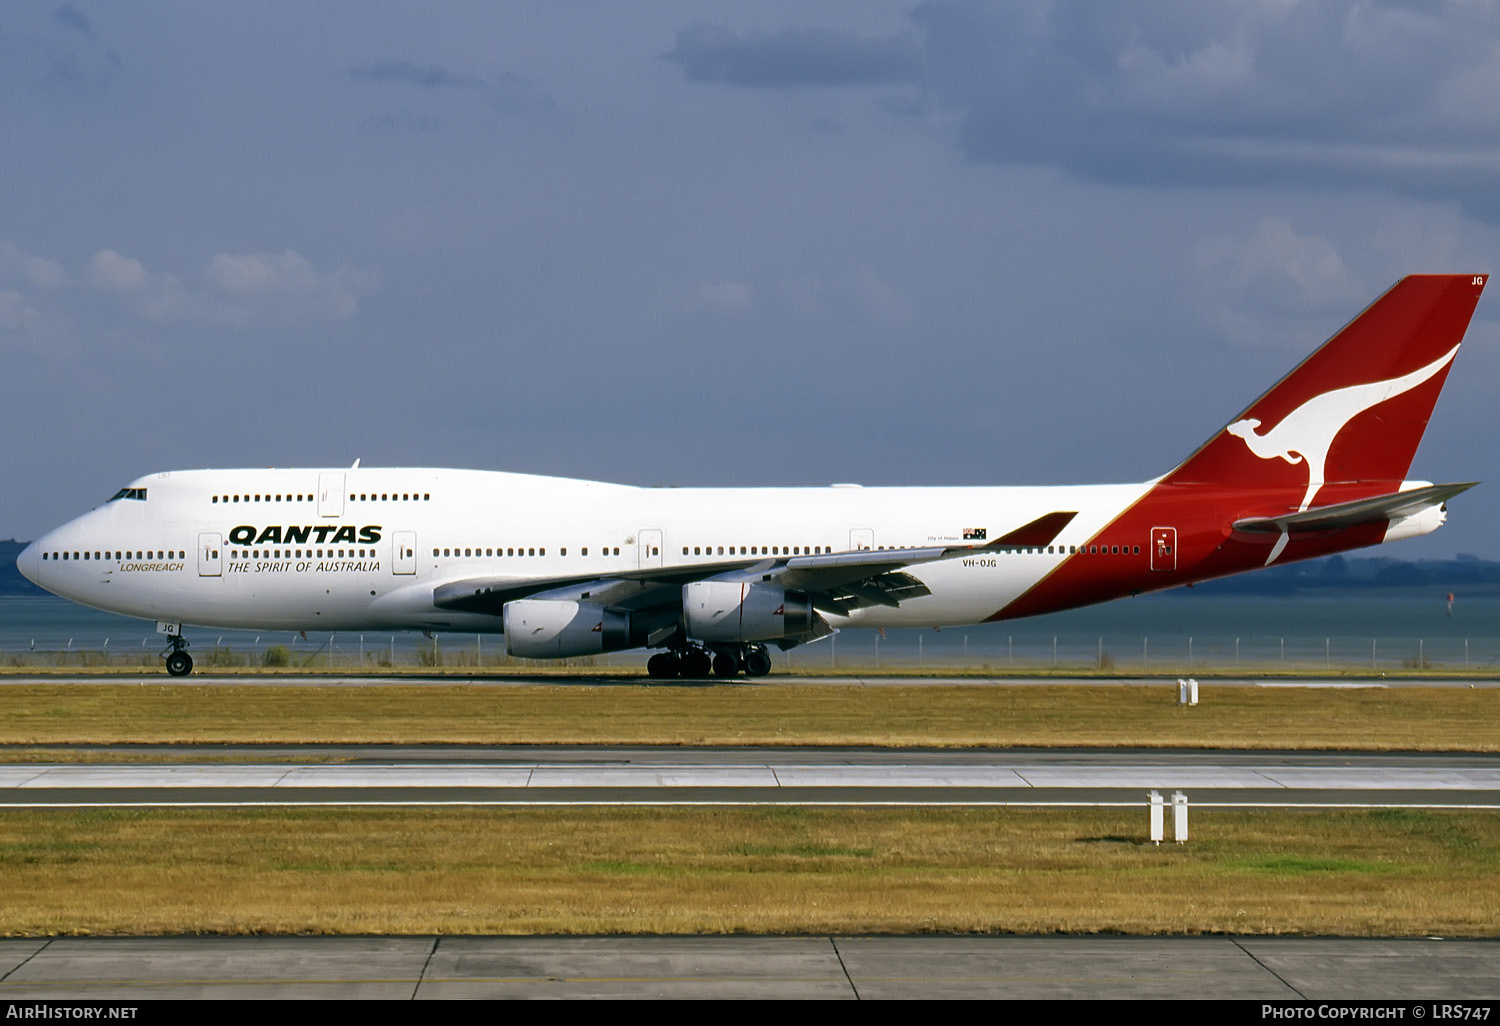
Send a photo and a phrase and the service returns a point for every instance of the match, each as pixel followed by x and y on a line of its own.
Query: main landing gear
pixel 698 663
pixel 179 663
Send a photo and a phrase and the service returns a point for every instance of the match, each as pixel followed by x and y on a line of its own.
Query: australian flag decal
pixel 974 533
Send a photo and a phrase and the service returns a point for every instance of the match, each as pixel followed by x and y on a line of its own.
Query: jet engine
pixel 556 629
pixel 722 611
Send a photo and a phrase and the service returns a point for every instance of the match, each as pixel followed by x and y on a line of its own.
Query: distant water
pixel 1378 630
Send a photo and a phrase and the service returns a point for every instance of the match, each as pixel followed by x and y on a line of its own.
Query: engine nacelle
pixel 745 611
pixel 553 629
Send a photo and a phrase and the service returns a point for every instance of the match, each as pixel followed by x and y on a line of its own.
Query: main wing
pixel 837 582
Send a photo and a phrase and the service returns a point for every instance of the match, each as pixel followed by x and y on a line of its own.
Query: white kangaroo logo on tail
pixel 1307 433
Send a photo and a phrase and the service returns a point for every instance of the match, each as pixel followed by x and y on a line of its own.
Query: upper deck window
pixel 129 493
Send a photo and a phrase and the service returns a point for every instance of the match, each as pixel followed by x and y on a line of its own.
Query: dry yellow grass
pixel 1433 719
pixel 767 870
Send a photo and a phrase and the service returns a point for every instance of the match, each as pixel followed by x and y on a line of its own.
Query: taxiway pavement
pixel 402 968
pixel 531 775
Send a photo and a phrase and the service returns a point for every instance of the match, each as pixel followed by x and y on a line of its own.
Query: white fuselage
pixel 366 548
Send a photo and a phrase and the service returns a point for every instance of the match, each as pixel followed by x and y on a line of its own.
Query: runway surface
pixel 578 775
pixel 402 968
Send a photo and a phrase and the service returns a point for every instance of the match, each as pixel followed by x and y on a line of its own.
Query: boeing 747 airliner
pixel 711 577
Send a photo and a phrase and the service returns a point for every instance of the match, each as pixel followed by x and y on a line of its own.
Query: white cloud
pixel 112 272
pixel 1277 287
pixel 288 278
pixel 860 292
pixel 38 271
pixel 167 300
pixel 1284 270
pixel 1307 267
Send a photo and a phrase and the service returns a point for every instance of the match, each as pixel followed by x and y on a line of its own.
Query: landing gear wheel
pixel 757 662
pixel 726 665
pixel 697 663
pixel 663 665
pixel 179 664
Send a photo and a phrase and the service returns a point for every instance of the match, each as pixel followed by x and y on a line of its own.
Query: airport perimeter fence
pixel 910 651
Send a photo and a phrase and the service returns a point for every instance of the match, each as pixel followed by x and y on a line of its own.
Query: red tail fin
pixel 1355 409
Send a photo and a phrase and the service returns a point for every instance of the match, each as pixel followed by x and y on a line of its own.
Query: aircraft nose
pixel 29 563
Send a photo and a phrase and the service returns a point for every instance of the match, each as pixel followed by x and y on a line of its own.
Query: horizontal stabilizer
pixel 1392 506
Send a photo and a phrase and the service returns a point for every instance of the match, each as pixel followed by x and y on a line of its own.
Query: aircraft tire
pixel 697 664
pixel 726 665
pixel 757 662
pixel 179 664
pixel 663 665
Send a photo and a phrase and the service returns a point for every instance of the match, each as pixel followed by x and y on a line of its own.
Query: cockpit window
pixel 130 493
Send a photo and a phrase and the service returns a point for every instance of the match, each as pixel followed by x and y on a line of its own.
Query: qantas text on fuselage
pixel 713 578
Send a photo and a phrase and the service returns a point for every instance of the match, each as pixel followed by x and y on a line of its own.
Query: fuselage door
pixel 648 544
pixel 1163 548
pixel 861 538
pixel 210 555
pixel 404 553
pixel 330 495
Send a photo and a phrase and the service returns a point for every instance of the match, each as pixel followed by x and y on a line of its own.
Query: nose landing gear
pixel 179 663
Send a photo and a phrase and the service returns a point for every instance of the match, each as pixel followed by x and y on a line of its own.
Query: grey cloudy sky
pixel 687 243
